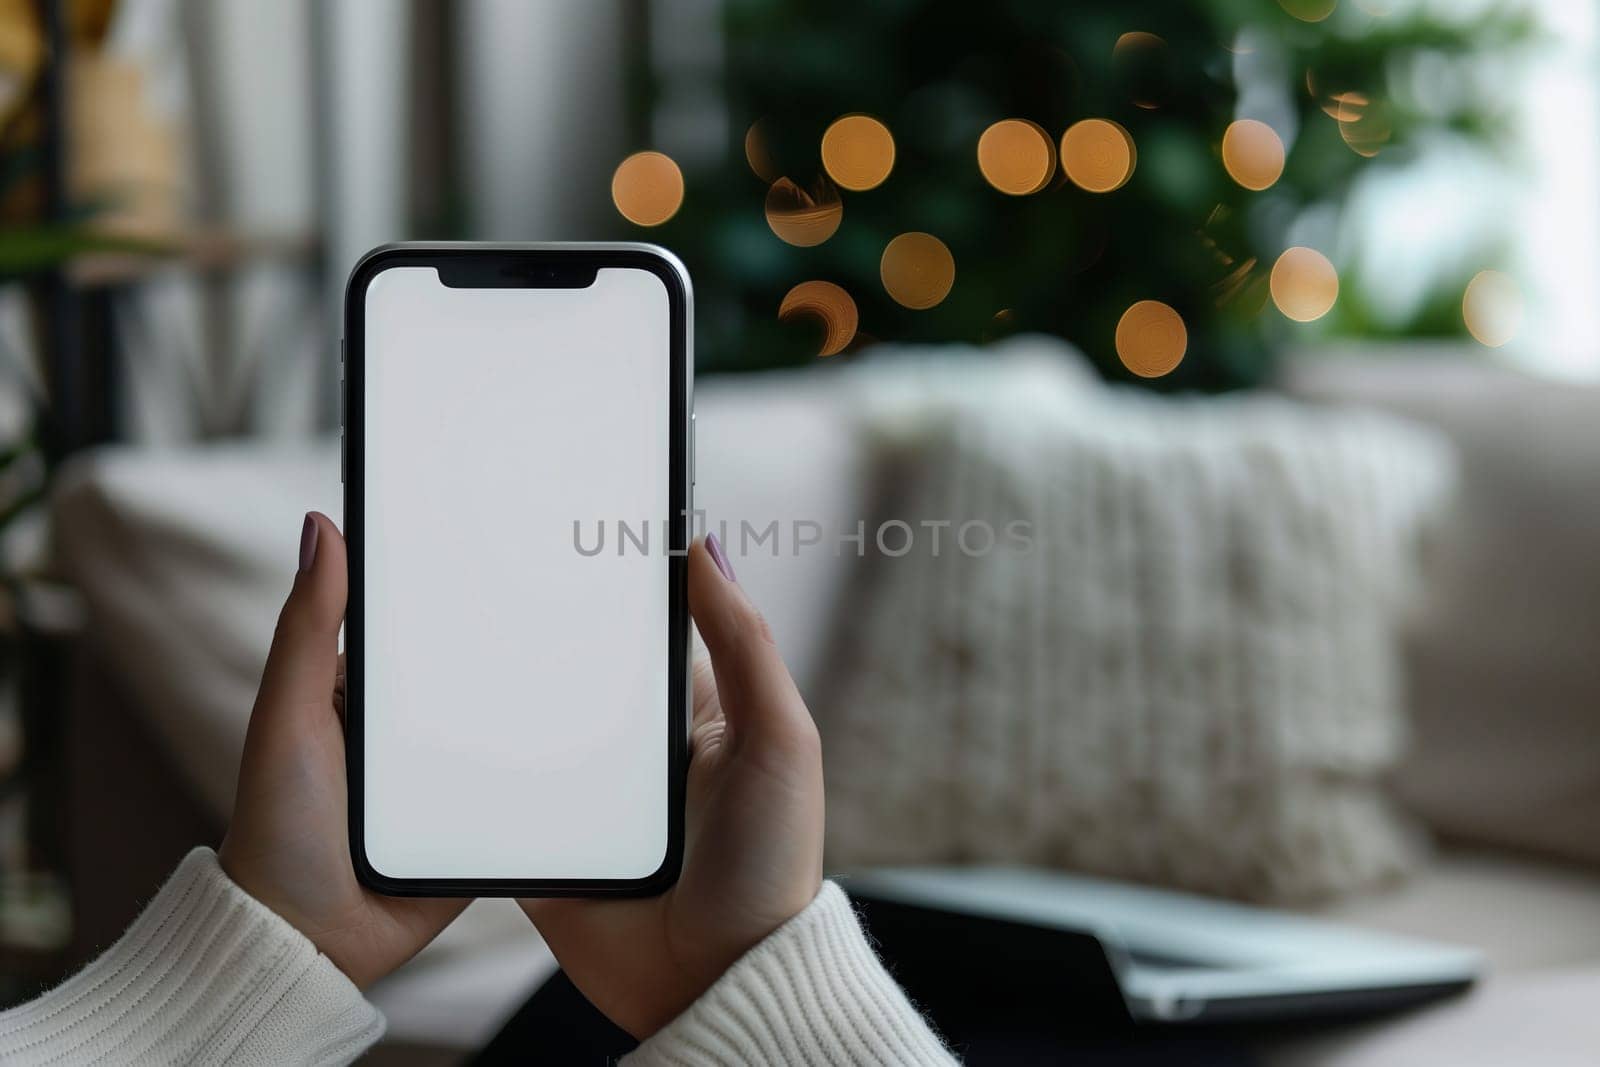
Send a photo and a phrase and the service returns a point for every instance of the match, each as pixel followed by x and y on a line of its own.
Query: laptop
pixel 977 940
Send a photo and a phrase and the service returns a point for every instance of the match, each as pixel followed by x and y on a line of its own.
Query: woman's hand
pixel 753 848
pixel 288 843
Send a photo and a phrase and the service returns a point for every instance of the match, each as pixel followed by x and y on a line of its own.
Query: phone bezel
pixel 523 261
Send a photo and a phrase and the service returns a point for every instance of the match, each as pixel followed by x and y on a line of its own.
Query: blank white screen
pixel 515 690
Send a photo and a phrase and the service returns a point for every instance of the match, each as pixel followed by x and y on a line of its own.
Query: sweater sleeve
pixel 205 974
pixel 813 992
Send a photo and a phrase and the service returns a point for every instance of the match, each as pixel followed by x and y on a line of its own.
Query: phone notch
pixel 518 272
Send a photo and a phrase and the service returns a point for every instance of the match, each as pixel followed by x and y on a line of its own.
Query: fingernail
pixel 308 543
pixel 714 547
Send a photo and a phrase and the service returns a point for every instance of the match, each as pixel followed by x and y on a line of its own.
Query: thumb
pixel 304 661
pixel 753 685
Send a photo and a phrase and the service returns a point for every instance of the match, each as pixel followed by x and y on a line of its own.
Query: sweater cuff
pixel 205 973
pixel 812 992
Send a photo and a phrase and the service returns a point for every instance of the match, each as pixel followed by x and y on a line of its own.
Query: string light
pixel 1098 155
pixel 1252 154
pixel 1492 308
pixel 802 218
pixel 1309 10
pixel 1363 124
pixel 647 188
pixel 757 153
pixel 1142 58
pixel 1016 157
pixel 1304 284
pixel 858 152
pixel 826 303
pixel 1151 339
pixel 1136 41
pixel 917 270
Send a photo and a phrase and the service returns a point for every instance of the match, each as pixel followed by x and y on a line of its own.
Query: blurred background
pixel 1390 204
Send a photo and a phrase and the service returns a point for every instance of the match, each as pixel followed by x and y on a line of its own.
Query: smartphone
pixel 518 498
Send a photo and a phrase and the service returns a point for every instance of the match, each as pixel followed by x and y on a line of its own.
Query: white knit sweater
pixel 209 975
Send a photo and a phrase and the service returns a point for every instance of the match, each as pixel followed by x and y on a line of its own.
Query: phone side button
pixel 693 449
pixel 341 457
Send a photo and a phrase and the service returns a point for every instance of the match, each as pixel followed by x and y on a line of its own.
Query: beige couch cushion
pixel 1505 662
pixel 1186 674
pixel 184 557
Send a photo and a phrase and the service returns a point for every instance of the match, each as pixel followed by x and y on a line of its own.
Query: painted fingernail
pixel 308 543
pixel 718 557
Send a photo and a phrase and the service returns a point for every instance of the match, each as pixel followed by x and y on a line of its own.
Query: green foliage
pixel 1063 261
pixel 34 246
pixel 27 250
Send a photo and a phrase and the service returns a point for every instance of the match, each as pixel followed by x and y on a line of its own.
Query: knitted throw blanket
pixel 1191 676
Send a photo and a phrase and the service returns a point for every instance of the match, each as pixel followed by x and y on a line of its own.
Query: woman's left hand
pixel 288 842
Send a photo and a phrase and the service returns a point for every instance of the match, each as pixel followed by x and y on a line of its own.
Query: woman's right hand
pixel 753 847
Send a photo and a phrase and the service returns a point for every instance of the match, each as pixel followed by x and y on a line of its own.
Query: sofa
pixel 183 554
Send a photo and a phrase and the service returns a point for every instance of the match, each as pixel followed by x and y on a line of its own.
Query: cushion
pixel 1505 675
pixel 1187 673
pixel 779 447
pixel 184 557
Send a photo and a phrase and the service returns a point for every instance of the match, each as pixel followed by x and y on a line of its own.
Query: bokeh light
pixel 1151 339
pixel 1492 308
pixel 757 154
pixel 1345 107
pixel 917 270
pixel 1309 10
pixel 1304 284
pixel 1252 153
pixel 1363 123
pixel 647 188
pixel 858 152
pixel 804 218
pixel 828 304
pixel 1098 155
pixel 1142 62
pixel 1134 42
pixel 1016 156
